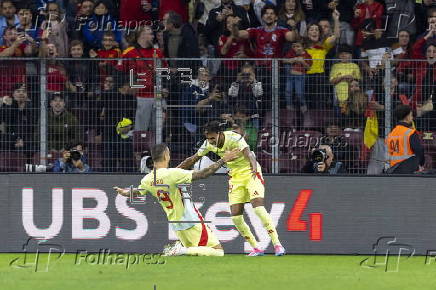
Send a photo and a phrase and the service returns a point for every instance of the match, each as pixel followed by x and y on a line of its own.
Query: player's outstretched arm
pixel 189 162
pixel 126 192
pixel 204 173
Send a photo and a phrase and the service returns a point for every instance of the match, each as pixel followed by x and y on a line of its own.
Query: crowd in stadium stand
pixel 93 101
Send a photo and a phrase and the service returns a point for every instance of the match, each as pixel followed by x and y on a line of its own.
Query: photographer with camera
pixel 73 160
pixel 322 161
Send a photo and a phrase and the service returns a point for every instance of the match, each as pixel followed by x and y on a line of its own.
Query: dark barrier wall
pixel 328 215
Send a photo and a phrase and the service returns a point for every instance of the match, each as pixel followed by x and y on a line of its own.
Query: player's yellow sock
pixel 267 224
pixel 244 230
pixel 204 251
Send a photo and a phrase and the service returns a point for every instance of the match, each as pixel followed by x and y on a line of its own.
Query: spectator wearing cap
pixel 216 22
pixel 405 152
pixel 9 17
pixel 342 74
pixel 62 125
pixel 119 156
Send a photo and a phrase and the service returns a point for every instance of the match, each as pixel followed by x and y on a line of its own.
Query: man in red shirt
pixel 143 75
pixel 15 45
pixel 269 38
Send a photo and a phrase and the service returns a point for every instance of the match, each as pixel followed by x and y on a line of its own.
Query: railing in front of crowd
pixel 112 110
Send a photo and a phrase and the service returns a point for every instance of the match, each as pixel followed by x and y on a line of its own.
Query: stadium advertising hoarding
pixel 313 214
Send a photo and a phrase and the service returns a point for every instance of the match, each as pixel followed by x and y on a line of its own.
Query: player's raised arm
pixel 189 162
pixel 204 173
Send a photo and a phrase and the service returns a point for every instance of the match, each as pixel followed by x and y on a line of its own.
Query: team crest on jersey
pixel 274 37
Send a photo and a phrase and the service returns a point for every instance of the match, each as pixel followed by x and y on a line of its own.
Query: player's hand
pixel 231 155
pixel 121 191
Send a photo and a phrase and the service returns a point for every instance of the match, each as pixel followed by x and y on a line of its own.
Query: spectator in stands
pixel 291 16
pixel 317 84
pixel 369 9
pixel 8 18
pixel 62 125
pixel 135 12
pixel 143 71
pixel 342 74
pixel 14 71
pixel 425 78
pixel 269 38
pixel 82 74
pixel 57 80
pixel 346 11
pixel 400 15
pixel 214 106
pixel 425 15
pixel 55 28
pixel 402 52
pixel 296 64
pixel 27 26
pixel 117 101
pixel 215 25
pixel 178 6
pixel 315 10
pixel 230 46
pixel 78 16
pixel 323 161
pixel 244 125
pixel 109 50
pixel 405 152
pixel 180 40
pixel 99 23
pixel 247 93
pixel 191 95
pixel 20 118
pixel 73 160
pixel 119 156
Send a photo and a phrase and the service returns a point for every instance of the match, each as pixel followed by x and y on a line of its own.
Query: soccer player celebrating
pixel 246 183
pixel 168 185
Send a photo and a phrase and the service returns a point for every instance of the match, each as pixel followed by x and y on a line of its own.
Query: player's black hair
pixel 215 126
pixel 267 7
pixel 402 111
pixel 157 152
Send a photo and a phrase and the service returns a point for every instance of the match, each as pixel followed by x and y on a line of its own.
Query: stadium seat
pixel 95 159
pixel 12 162
pixel 287 119
pixel 142 140
pixel 317 119
pixel 291 162
pixel 353 138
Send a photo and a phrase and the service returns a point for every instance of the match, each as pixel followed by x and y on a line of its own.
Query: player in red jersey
pixel 269 38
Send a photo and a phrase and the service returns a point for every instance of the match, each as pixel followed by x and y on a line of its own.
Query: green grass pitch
pixel 229 272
